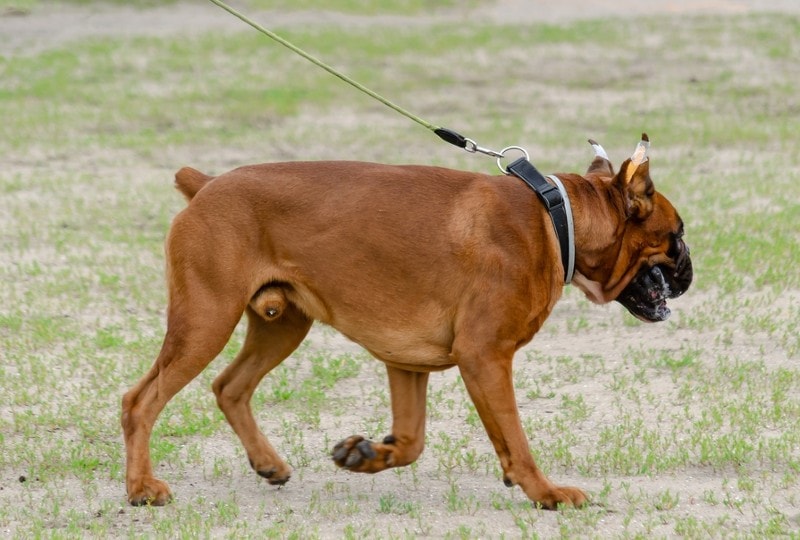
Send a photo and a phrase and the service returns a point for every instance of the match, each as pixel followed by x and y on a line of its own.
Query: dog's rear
pixel 189 181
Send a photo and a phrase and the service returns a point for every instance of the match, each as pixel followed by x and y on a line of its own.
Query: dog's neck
pixel 554 197
pixel 597 226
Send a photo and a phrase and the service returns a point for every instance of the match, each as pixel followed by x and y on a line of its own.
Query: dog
pixel 427 268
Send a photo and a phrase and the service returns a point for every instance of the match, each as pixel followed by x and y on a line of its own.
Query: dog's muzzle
pixel 646 295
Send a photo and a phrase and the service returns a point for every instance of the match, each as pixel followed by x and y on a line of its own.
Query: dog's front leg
pixel 488 379
pixel 408 393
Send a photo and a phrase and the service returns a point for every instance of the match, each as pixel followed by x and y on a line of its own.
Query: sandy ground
pixel 56 26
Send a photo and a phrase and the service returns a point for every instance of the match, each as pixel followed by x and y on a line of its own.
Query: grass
pixel 366 7
pixel 689 428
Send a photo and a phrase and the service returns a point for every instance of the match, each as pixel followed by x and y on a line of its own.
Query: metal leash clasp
pixel 472 147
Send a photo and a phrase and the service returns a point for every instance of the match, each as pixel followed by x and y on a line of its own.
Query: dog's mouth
pixel 646 295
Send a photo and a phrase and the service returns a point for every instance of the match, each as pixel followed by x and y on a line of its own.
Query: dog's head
pixel 641 260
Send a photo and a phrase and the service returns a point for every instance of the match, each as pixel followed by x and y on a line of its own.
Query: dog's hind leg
pixel 271 337
pixel 199 323
pixel 206 301
pixel 408 392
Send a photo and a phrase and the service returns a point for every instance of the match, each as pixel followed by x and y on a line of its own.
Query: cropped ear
pixel 635 183
pixel 601 164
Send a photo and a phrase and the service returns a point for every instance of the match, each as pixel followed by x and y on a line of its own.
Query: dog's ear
pixel 635 182
pixel 601 164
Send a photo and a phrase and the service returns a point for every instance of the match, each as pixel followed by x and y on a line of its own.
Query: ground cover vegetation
pixel 689 428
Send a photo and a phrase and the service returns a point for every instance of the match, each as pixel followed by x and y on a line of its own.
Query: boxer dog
pixel 427 268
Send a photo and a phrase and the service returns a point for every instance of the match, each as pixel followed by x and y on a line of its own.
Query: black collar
pixel 556 201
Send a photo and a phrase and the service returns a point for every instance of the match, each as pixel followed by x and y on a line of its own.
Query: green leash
pixel 323 65
pixel 445 134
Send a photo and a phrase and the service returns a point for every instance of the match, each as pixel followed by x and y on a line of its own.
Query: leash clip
pixel 472 147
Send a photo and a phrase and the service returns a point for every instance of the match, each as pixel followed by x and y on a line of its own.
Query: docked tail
pixel 189 181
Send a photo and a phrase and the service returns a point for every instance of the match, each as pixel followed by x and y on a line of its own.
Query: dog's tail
pixel 189 181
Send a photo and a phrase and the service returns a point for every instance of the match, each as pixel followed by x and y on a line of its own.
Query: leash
pixel 553 196
pixel 445 134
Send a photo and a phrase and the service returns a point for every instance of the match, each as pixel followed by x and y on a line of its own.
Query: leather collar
pixel 556 201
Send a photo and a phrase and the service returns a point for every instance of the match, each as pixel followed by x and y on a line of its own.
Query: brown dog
pixel 427 268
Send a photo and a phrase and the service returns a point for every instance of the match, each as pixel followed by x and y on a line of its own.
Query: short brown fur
pixel 427 268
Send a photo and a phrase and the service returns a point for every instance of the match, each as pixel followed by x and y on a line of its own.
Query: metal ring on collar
pixel 503 153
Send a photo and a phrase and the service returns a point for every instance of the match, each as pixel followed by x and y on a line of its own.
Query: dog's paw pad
pixel 279 481
pixel 389 439
pixel 366 450
pixel 339 453
pixel 354 452
pixel 267 473
pixel 273 475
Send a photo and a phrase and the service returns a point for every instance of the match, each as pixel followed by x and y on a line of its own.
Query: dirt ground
pixel 44 28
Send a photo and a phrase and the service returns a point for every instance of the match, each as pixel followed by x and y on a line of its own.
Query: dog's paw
pixel 275 475
pixel 563 497
pixel 149 491
pixel 358 454
pixel 576 496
